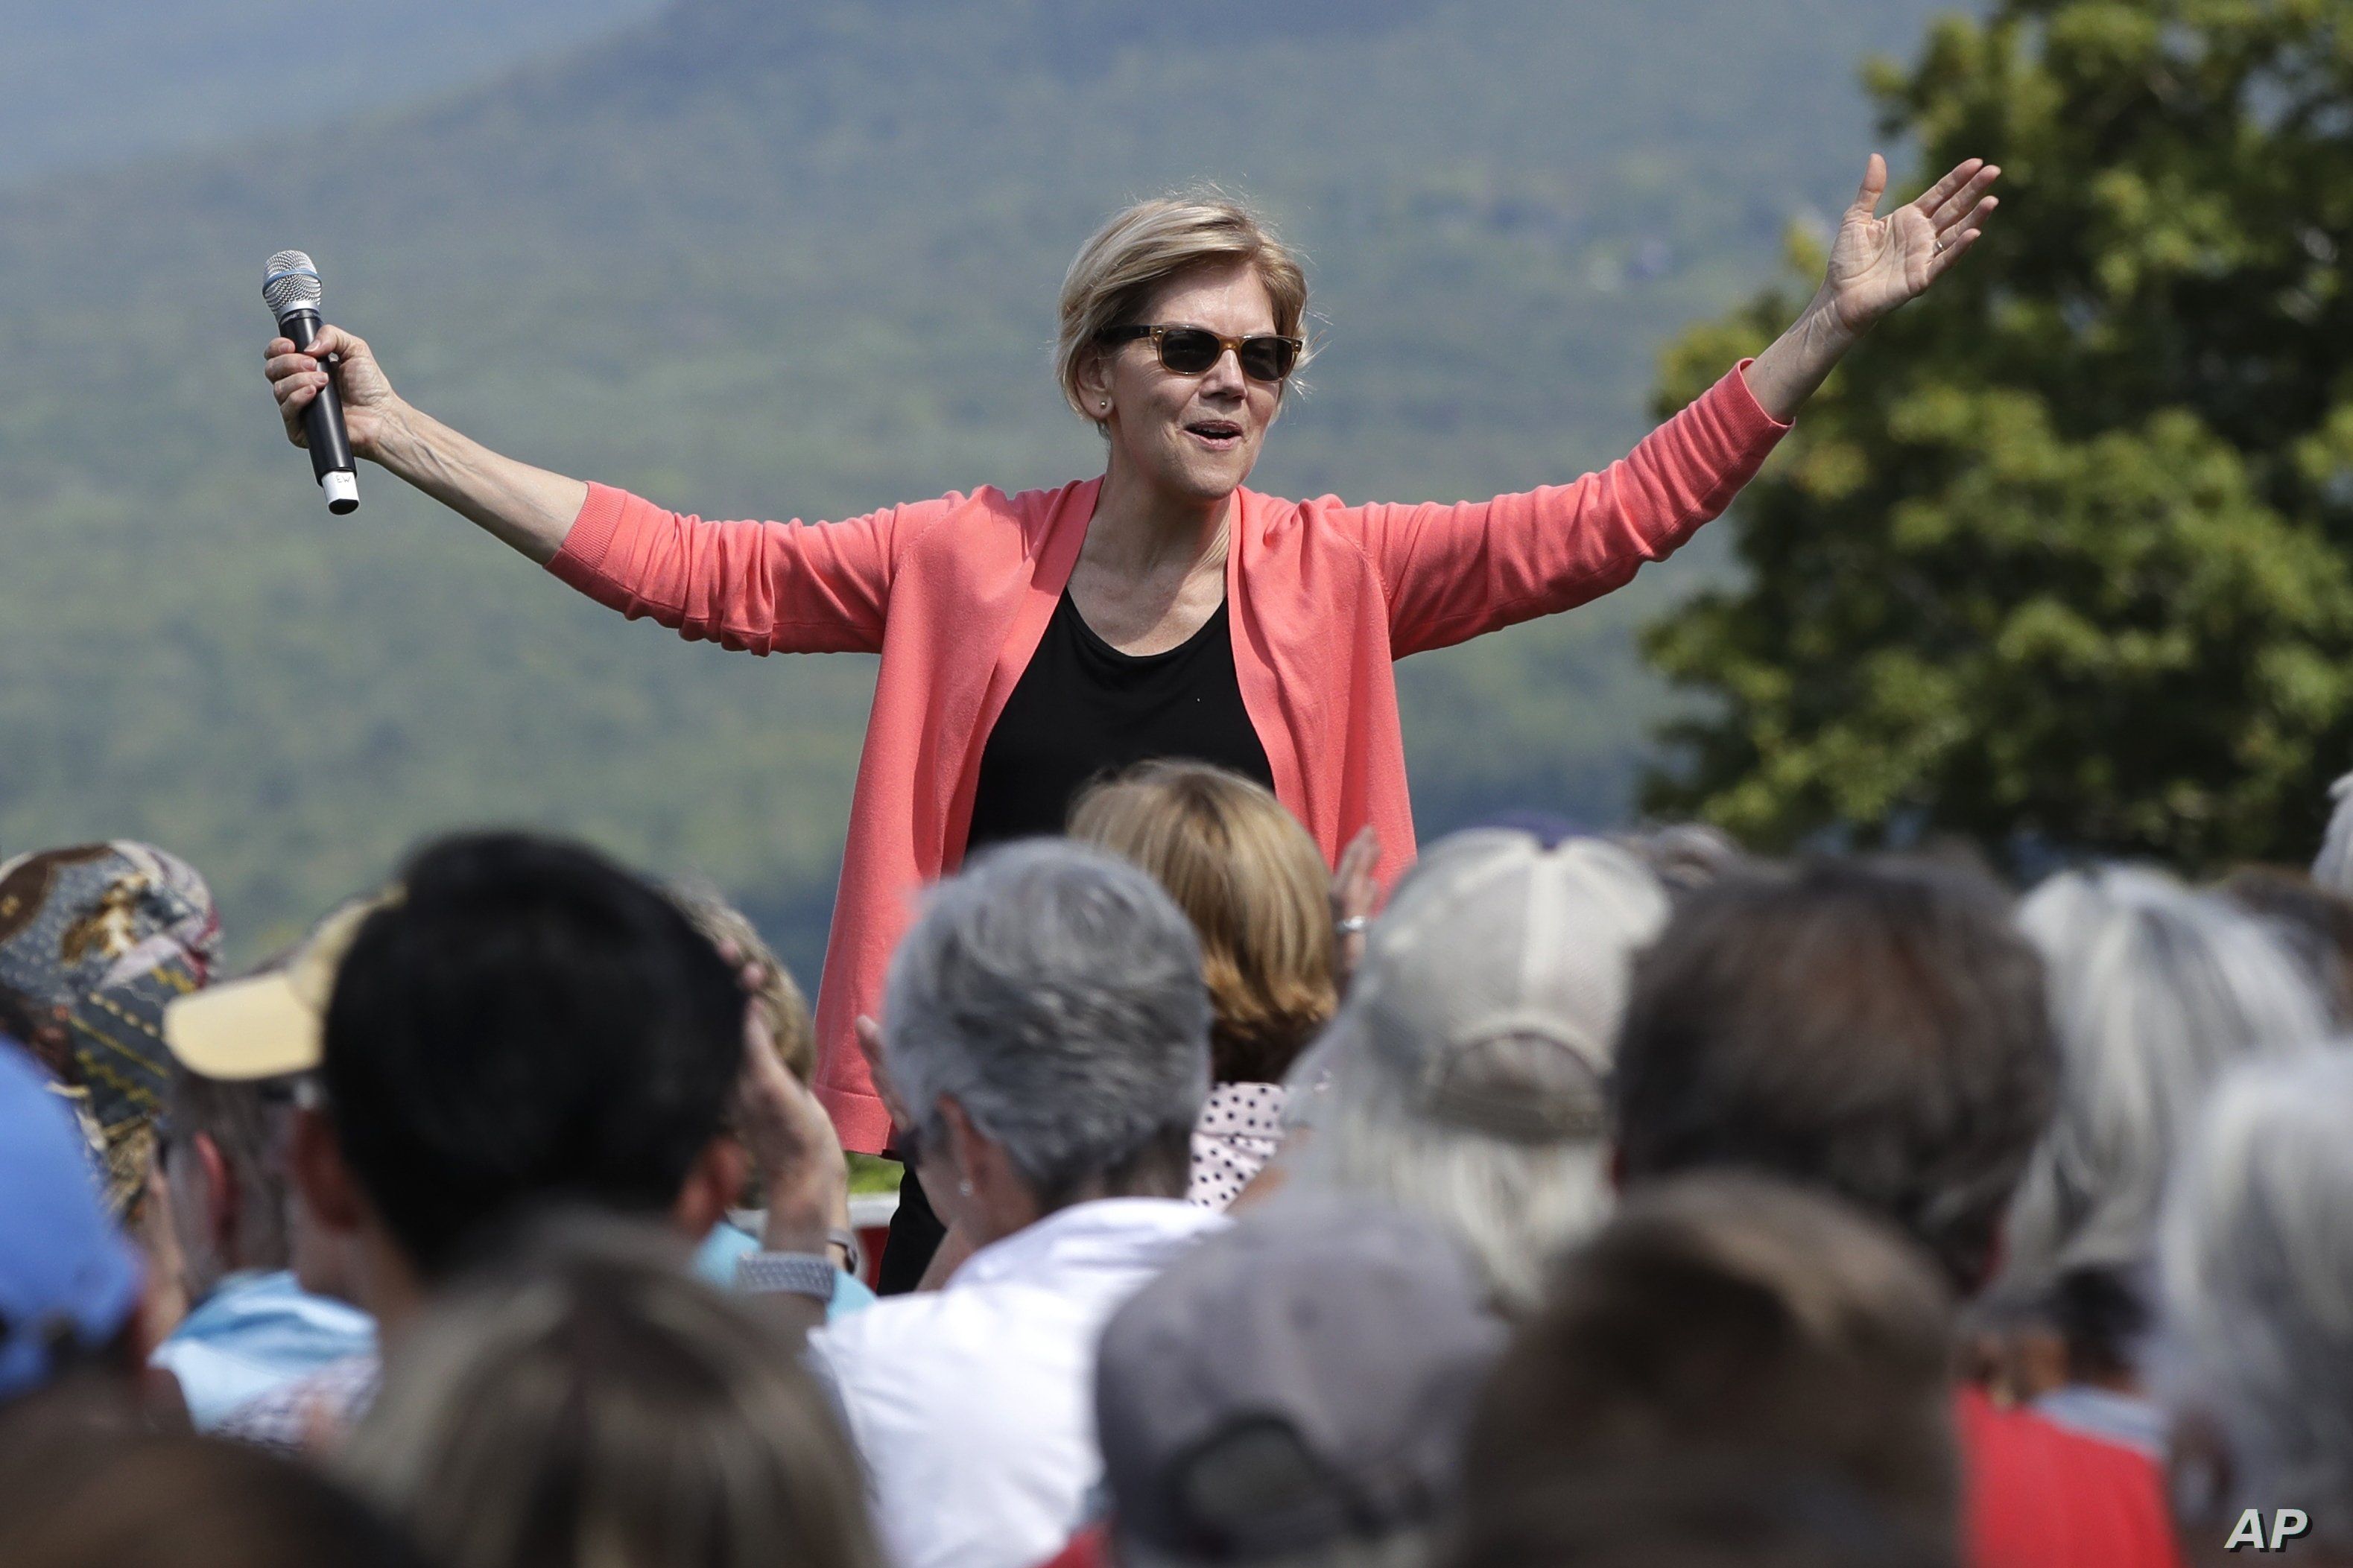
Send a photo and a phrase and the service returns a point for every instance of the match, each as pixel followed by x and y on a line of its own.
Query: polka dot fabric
pixel 1239 1128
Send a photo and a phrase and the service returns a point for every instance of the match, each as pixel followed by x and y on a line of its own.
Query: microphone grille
pixel 290 282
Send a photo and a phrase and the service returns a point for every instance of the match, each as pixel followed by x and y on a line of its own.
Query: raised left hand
pixel 1879 263
pixel 790 1138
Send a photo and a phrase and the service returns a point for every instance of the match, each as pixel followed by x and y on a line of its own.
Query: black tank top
pixel 1083 709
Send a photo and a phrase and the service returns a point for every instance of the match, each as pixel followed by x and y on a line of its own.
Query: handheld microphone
pixel 290 285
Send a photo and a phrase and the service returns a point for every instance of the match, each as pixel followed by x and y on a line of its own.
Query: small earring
pixel 964 1189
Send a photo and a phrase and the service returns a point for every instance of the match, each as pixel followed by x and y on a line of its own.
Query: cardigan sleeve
pixel 1451 572
pixel 759 587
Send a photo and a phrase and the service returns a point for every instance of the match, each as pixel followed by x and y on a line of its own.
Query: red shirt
pixel 2035 1495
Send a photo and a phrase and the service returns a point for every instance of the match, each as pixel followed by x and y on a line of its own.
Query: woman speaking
pixel 1032 642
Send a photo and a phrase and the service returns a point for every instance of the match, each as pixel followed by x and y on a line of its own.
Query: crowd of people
pixel 1597 1200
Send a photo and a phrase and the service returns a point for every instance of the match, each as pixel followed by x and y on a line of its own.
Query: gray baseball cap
pixel 1300 1380
pixel 1490 988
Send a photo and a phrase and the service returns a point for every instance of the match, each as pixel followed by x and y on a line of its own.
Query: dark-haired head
pixel 1874 1027
pixel 133 1499
pixel 1734 1320
pixel 525 1025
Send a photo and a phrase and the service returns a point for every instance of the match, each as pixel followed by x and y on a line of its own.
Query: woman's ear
pixel 1092 376
pixel 711 1188
pixel 967 1145
pixel 316 1161
pixel 223 1202
pixel 991 1197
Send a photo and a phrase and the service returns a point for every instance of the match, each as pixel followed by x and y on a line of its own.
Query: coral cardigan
pixel 955 593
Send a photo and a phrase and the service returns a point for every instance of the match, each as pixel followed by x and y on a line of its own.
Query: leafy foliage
pixel 2059 563
pixel 766 259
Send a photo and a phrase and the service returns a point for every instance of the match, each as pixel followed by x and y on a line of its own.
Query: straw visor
pixel 267 1025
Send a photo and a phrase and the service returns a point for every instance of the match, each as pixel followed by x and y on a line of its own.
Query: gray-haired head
pixel 2333 867
pixel 1466 1076
pixel 1055 992
pixel 2256 1269
pixel 2155 989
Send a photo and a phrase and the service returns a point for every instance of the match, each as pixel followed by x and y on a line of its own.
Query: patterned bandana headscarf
pixel 98 938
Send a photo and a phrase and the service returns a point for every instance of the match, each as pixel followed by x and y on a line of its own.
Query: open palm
pixel 1879 263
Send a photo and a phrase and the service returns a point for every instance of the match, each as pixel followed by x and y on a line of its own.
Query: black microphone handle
pixel 322 421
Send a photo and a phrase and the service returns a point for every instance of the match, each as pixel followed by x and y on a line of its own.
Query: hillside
pixel 757 259
pixel 103 82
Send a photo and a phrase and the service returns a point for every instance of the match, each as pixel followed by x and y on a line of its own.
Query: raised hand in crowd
pixel 795 1153
pixel 1356 893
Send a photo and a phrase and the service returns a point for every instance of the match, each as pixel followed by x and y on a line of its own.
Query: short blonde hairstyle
pixel 1255 886
pixel 1136 255
pixel 784 1010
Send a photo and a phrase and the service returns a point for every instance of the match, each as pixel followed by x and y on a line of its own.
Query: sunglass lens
pixel 1267 359
pixel 1188 350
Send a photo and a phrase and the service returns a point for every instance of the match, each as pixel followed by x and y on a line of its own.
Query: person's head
pixel 245 1052
pixel 1256 889
pixel 1292 1391
pixel 69 1284
pixel 1046 1027
pixel 149 1500
pixel 778 1008
pixel 519 1023
pixel 1683 855
pixel 1724 1316
pixel 1195 261
pixel 1756 1510
pixel 2155 989
pixel 223 1147
pixel 2316 922
pixel 588 1403
pixel 95 940
pixel 1875 1027
pixel 1465 1077
pixel 2255 1272
pixel 2332 866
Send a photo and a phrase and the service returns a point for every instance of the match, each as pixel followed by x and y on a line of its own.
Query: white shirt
pixel 972 1406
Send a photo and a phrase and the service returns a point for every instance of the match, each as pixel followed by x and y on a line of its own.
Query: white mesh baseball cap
pixel 1491 985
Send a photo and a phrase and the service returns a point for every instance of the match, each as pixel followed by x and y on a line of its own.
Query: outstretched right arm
pixel 769 587
pixel 528 508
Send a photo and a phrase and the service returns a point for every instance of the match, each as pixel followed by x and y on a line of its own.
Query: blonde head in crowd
pixel 777 997
pixel 1255 886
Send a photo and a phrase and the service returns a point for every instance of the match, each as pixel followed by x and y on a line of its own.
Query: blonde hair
pixel 1143 249
pixel 775 995
pixel 587 1403
pixel 1255 886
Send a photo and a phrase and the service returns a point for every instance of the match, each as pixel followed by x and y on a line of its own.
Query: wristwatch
pixel 796 1273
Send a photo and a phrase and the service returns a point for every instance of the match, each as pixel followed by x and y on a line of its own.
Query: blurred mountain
pixel 768 258
pixel 100 81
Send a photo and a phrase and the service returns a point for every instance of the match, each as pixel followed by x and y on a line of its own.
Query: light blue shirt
pixel 2128 1419
pixel 254 1333
pixel 715 1261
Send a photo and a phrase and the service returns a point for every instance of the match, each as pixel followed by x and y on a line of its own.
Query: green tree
pixel 2058 563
